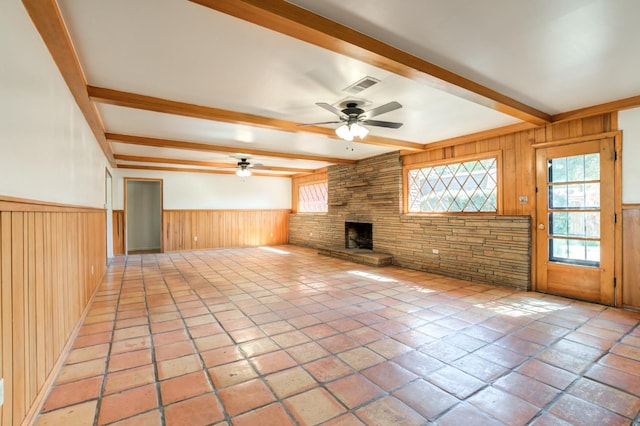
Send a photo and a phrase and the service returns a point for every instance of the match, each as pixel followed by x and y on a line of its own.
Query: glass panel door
pixel 573 185
pixel 575 220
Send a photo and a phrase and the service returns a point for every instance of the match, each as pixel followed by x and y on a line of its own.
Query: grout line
pixel 113 331
pixel 315 286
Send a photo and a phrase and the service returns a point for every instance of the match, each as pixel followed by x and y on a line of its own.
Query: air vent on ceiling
pixel 361 85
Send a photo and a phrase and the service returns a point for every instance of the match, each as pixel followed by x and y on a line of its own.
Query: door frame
pixel 108 206
pixel 126 227
pixel 617 207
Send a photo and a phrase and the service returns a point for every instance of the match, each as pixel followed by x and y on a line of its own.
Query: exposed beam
pixel 150 103
pixel 194 146
pixel 140 159
pixel 478 136
pixel 191 170
pixel 294 21
pixel 619 105
pixel 48 21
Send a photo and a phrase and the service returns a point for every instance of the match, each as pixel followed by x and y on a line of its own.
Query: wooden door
pixel 576 221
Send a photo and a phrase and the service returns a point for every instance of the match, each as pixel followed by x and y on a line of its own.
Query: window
pixel 313 198
pixel 468 186
pixel 574 209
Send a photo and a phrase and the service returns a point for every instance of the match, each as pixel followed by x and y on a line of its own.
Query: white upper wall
pixel 629 123
pixel 47 151
pixel 186 191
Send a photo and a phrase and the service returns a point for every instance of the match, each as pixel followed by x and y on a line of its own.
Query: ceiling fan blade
pixel 331 109
pixel 317 124
pixel 391 106
pixel 379 123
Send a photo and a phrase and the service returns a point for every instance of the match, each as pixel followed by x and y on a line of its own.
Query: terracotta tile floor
pixel 278 336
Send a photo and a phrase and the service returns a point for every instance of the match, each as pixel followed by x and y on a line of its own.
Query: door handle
pixel 541 226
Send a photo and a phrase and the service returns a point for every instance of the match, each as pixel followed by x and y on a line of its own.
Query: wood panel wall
pixel 518 160
pixel 118 232
pixel 223 228
pixel 631 256
pixel 518 155
pixel 51 260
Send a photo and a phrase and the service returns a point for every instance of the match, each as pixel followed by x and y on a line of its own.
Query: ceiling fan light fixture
pixel 350 131
pixel 244 172
pixel 344 132
pixel 359 130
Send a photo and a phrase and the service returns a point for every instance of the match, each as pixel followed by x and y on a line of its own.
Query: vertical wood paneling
pixel 631 256
pixel 51 260
pixel 17 291
pixel 6 411
pixel 518 155
pixel 118 231
pixel 223 228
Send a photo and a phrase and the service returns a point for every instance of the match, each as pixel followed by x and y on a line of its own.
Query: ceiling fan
pixel 244 167
pixel 353 117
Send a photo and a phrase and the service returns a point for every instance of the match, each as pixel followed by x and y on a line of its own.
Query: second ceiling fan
pixel 353 117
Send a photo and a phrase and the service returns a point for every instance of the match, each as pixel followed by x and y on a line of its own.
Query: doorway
pixel 575 234
pixel 143 215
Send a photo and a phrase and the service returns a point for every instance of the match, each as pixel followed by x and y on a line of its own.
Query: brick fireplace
pixel 494 249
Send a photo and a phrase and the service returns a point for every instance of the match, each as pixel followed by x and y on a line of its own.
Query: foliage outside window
pixel 574 209
pixel 313 198
pixel 468 186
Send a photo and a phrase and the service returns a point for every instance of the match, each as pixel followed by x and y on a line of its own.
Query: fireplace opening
pixel 358 235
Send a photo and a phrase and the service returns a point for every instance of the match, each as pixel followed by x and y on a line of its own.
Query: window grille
pixel 470 186
pixel 313 198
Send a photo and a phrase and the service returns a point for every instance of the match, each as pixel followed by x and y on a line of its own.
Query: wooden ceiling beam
pixel 192 170
pixel 48 21
pixel 194 146
pixel 478 136
pixel 150 103
pixel 618 105
pixel 141 159
pixel 294 21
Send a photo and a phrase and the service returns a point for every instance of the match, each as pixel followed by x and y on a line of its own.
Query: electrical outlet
pixel 435 251
pixel 1 392
pixel 195 238
pixel 523 199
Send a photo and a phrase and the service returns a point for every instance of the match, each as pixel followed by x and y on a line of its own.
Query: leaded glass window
pixel 469 186
pixel 313 198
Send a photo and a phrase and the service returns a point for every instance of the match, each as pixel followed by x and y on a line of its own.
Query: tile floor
pixel 281 336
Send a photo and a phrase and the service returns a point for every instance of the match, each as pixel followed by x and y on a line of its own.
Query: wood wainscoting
pixel 204 229
pixel 118 232
pixel 52 258
pixel 631 256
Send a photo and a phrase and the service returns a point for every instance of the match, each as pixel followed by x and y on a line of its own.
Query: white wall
pixel 47 151
pixel 629 122
pixel 210 191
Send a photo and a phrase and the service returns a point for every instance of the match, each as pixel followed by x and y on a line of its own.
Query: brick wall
pixel 490 249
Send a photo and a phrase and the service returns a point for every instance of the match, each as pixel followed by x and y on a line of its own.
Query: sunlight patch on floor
pixel 274 250
pixel 372 276
pixel 520 309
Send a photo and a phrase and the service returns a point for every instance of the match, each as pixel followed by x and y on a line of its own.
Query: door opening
pixel 143 215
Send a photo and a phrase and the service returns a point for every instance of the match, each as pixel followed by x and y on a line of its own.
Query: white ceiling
pixel 551 55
